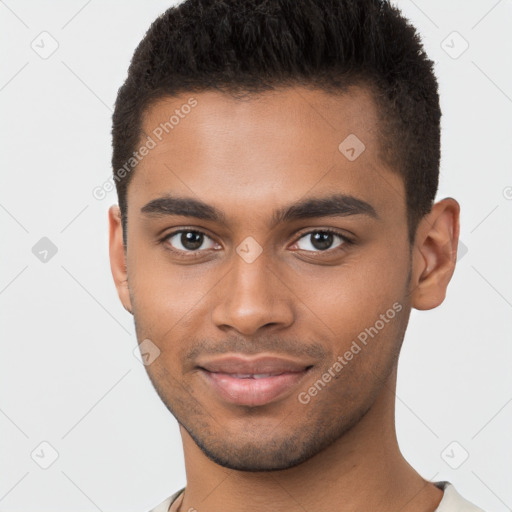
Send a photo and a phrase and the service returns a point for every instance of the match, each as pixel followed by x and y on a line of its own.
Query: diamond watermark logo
pixel 146 352
pixel 462 250
pixel 455 455
pixel 45 45
pixel 249 249
pixel 44 455
pixel 44 250
pixel 351 147
pixel 454 45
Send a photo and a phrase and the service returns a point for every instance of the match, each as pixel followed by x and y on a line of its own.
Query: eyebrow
pixel 336 205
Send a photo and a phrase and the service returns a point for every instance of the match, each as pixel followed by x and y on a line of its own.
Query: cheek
pixel 354 295
pixel 168 299
pixel 156 281
pixel 363 305
pixel 364 349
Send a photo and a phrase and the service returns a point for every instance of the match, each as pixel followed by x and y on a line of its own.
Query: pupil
pixel 191 240
pixel 322 240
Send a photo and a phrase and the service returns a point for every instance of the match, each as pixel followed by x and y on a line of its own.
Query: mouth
pixel 253 382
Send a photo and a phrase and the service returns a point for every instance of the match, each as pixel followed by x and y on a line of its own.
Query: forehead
pixel 265 150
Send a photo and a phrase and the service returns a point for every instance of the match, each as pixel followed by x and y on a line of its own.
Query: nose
pixel 251 297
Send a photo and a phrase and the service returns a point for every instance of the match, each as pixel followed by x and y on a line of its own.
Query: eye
pixel 188 240
pixel 321 240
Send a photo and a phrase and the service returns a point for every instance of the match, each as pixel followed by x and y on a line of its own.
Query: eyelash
pixel 345 240
pixel 192 254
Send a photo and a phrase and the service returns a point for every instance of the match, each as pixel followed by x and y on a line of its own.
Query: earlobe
pixel 118 257
pixel 435 254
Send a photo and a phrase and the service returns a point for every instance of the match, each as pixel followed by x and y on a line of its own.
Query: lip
pixel 253 381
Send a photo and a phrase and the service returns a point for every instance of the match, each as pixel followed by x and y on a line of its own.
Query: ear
pixel 435 254
pixel 118 257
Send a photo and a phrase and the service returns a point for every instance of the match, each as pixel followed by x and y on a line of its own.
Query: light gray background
pixel 68 376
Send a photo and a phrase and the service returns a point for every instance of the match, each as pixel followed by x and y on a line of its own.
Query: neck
pixel 363 470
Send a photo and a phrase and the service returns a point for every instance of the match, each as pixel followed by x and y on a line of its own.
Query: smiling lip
pixel 252 382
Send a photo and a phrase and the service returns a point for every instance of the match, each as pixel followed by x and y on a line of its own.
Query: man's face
pixel 308 288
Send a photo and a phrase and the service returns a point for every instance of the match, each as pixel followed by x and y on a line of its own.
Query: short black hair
pixel 252 46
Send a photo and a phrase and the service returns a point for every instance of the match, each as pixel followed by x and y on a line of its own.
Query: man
pixel 276 164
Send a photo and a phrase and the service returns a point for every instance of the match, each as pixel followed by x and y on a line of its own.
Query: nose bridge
pixel 251 297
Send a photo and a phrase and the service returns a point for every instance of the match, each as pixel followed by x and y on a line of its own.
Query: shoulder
pixel 165 505
pixel 452 501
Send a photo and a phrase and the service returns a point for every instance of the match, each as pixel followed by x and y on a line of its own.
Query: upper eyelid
pixel 346 239
pixel 193 230
pixel 323 230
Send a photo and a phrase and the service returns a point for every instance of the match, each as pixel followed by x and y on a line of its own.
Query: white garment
pixel 452 501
